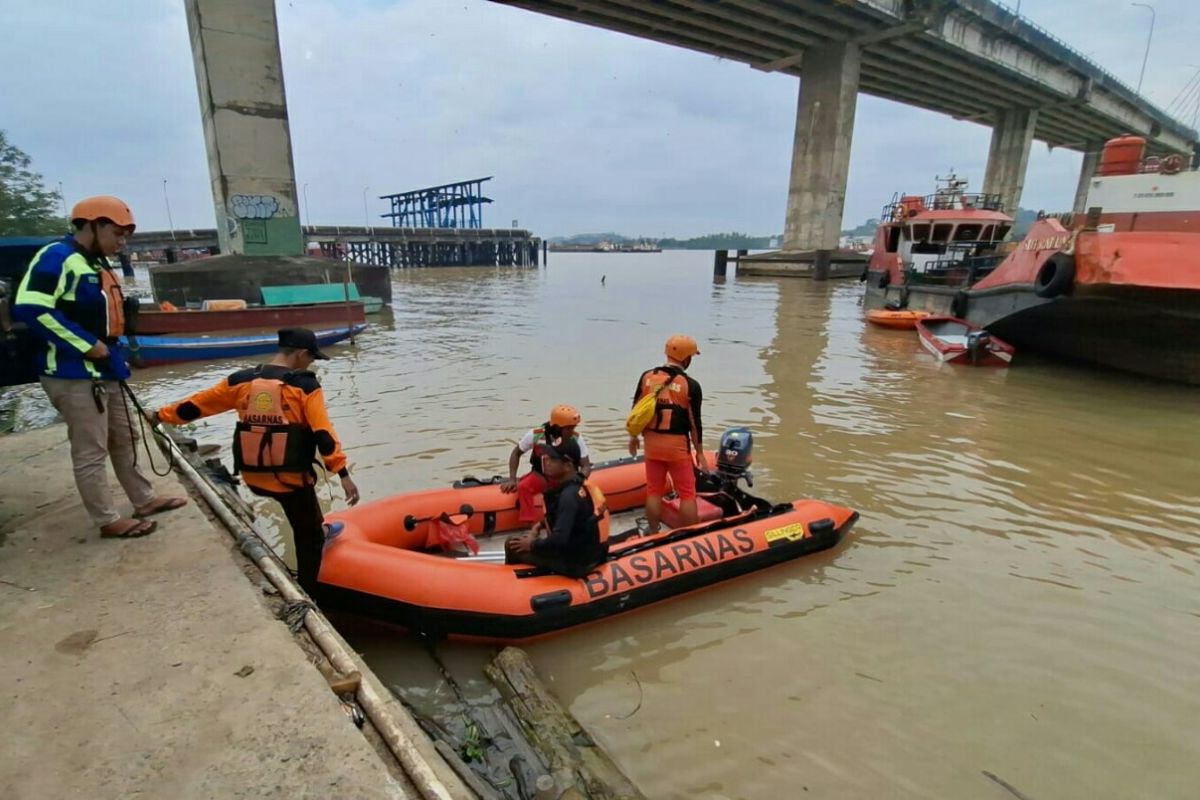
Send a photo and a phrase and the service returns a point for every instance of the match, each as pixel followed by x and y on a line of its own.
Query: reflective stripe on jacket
pixel 71 300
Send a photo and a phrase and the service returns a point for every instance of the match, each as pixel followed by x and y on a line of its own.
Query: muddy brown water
pixel 1018 600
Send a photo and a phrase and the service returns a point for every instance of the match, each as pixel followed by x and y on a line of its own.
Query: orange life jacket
pixel 674 408
pixel 264 440
pixel 600 509
pixel 114 299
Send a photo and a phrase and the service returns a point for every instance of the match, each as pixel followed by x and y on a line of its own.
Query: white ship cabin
pixel 946 232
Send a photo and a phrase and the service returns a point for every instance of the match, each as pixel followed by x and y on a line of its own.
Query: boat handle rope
pixel 411 522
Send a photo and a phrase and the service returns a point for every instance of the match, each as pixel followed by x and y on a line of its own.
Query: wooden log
pixel 473 781
pixel 576 763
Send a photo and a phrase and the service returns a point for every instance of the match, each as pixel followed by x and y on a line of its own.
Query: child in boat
pixel 564 419
pixel 573 538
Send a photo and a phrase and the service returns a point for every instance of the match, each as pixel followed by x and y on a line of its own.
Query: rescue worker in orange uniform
pixel 282 427
pixel 71 299
pixel 564 419
pixel 573 538
pixel 674 437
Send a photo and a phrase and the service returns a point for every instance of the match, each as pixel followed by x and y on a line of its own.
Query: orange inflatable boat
pixel 376 560
pixel 898 318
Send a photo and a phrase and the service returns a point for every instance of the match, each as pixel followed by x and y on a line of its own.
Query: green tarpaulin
pixel 307 294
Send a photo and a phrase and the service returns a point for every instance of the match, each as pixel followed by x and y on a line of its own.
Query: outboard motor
pixel 734 456
pixel 978 343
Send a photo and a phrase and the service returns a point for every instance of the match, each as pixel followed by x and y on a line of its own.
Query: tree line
pixel 27 207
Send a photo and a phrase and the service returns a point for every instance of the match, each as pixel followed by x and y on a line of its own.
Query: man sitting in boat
pixel 564 419
pixel 573 538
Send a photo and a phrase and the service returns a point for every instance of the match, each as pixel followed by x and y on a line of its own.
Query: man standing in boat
pixel 573 538
pixel 282 426
pixel 71 300
pixel 672 433
pixel 564 419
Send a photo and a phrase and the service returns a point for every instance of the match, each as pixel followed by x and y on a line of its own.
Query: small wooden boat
pixel 895 318
pixel 957 341
pixel 376 560
pixel 261 318
pixel 152 350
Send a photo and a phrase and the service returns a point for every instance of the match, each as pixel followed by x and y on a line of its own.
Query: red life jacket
pixel 264 440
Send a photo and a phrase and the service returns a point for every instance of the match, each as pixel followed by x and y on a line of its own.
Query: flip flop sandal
pixel 163 504
pixel 134 531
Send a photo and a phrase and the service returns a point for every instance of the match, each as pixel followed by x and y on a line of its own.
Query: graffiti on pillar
pixel 263 223
pixel 254 206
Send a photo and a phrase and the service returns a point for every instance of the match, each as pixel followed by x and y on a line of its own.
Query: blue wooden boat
pixel 152 350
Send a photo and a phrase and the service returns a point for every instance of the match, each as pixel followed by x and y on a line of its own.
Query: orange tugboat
pixel 1117 288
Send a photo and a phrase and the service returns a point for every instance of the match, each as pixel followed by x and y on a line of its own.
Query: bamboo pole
pixel 372 695
pixel 349 313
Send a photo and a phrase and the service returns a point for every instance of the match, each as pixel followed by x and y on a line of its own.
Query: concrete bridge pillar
pixel 239 74
pixel 1012 136
pixel 821 152
pixel 1087 171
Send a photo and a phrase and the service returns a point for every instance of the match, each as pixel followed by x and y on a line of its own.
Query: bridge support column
pixel 239 75
pixel 1087 171
pixel 821 152
pixel 1012 136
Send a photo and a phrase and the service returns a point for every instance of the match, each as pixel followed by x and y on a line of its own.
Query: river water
pixel 1017 604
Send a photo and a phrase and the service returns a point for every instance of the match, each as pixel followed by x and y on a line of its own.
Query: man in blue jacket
pixel 71 299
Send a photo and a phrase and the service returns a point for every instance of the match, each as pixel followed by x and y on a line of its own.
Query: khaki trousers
pixel 96 437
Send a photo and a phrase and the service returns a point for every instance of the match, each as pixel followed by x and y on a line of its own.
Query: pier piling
pixel 720 263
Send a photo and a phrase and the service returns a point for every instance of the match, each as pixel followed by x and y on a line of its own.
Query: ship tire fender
pixel 958 305
pixel 1172 164
pixel 1055 277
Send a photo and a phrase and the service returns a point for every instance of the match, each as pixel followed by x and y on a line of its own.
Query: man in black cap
pixel 282 427
pixel 573 538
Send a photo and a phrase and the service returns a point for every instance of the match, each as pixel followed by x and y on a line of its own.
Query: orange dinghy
pixel 376 562
pixel 900 318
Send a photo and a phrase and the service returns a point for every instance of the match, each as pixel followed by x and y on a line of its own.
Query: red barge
pixel 1118 287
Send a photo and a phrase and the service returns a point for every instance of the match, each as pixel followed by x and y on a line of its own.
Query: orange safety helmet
pixel 92 209
pixel 681 347
pixel 564 416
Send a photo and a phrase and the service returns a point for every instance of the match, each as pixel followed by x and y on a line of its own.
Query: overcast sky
pixel 584 129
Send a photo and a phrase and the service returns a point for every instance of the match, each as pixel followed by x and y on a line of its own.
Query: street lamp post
pixel 307 216
pixel 167 200
pixel 1149 36
pixel 366 214
pixel 62 199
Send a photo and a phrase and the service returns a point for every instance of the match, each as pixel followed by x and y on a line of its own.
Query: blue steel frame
pixel 453 205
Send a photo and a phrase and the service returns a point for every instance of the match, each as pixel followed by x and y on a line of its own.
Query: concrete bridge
pixel 971 59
